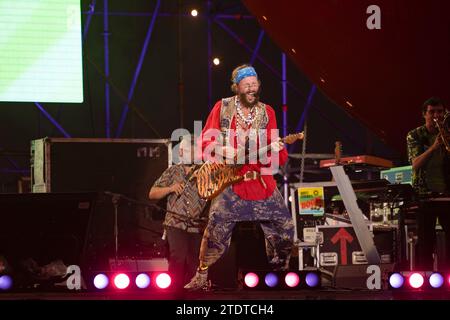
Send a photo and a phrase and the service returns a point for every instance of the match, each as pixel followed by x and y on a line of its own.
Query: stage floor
pixel 231 295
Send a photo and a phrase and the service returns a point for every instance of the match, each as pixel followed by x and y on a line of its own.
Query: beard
pixel 243 99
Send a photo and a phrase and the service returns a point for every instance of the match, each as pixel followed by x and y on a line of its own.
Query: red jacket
pixel 252 189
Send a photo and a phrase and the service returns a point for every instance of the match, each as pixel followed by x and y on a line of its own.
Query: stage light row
pixel 419 280
pixel 282 280
pixel 122 281
pixel 116 281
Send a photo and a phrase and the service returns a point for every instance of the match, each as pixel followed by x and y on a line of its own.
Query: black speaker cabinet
pixel 355 276
pixel 45 227
pixel 127 167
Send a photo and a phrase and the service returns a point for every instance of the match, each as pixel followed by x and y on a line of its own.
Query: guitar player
pixel 256 197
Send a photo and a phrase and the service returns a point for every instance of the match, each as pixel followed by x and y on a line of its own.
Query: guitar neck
pixel 264 150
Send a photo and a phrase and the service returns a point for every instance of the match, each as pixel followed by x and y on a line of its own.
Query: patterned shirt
pixel 190 208
pixel 434 176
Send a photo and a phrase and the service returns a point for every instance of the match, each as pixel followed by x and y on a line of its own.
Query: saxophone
pixel 444 130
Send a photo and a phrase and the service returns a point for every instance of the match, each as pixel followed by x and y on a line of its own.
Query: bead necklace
pixel 251 115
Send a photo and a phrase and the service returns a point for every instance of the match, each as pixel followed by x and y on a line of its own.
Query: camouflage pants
pixel 228 208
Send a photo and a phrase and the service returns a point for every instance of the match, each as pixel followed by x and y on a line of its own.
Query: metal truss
pixel 212 18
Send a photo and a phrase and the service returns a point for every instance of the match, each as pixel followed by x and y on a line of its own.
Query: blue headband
pixel 244 73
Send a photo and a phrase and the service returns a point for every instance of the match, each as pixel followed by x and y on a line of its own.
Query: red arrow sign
pixel 343 236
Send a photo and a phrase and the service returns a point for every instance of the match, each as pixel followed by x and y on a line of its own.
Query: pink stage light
pixel 251 280
pixel 416 280
pixel 292 280
pixel 163 280
pixel 121 281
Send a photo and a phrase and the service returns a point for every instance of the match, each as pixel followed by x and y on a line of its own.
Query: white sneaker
pixel 198 281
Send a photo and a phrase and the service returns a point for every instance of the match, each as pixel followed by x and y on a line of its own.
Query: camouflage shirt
pixel 190 208
pixel 437 166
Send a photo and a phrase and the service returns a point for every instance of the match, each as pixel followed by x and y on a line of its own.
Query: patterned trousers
pixel 228 208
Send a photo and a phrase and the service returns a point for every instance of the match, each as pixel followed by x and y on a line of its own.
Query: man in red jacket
pixel 256 198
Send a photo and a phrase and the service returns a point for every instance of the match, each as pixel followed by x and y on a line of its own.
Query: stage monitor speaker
pixel 45 227
pixel 355 276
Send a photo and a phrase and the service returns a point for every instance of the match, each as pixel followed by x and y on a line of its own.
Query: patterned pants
pixel 228 208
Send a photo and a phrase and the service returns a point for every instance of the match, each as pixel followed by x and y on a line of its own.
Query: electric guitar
pixel 213 177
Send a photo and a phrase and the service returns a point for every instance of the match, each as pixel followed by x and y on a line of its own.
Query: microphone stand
pixel 115 199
